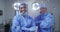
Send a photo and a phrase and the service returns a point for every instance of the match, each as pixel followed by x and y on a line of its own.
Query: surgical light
pixel 16 6
pixel 35 6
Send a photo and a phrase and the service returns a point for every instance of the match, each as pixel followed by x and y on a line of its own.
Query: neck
pixel 43 12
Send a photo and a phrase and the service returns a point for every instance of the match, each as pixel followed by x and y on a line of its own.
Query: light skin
pixel 43 10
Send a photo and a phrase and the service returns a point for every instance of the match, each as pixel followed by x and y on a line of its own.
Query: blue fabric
pixel 44 22
pixel 43 5
pixel 23 24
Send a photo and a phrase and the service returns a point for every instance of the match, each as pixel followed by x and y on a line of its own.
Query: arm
pixel 15 25
pixel 47 22
pixel 32 28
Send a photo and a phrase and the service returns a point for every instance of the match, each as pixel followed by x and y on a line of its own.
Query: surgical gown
pixel 44 22
pixel 23 24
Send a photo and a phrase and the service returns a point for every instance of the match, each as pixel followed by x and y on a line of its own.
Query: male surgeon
pixel 44 20
pixel 22 22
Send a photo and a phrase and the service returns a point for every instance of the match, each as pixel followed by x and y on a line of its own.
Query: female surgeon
pixel 22 22
pixel 44 20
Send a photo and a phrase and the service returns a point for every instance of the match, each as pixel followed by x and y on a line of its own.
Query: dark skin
pixel 43 10
pixel 22 9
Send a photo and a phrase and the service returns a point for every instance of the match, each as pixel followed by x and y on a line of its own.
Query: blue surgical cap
pixel 43 5
pixel 24 4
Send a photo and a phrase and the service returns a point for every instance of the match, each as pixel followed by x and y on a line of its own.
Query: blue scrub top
pixel 44 22
pixel 22 24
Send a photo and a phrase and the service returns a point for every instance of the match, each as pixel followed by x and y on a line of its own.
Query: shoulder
pixel 17 16
pixel 50 15
pixel 37 17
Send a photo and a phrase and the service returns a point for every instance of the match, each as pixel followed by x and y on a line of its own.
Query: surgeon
pixel 22 22
pixel 44 20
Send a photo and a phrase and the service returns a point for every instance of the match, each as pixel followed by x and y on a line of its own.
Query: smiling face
pixel 22 9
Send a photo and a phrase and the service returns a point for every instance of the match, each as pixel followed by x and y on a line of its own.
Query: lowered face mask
pixel 23 13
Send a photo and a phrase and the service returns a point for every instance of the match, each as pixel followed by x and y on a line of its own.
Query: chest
pixel 43 16
pixel 26 22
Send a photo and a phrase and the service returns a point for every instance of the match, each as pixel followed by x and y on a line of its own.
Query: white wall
pixel 2 7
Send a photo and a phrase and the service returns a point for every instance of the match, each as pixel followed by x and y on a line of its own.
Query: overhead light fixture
pixel 16 6
pixel 35 6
